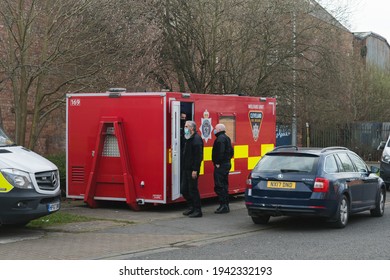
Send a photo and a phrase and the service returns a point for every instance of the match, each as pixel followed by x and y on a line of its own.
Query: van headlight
pixel 386 158
pixel 17 178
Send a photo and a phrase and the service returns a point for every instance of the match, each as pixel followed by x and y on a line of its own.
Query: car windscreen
pixel 283 163
pixel 4 140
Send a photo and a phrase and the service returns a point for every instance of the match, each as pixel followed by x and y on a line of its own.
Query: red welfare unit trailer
pixel 126 146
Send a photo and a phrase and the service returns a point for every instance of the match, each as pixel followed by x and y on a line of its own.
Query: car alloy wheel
pixel 342 213
pixel 379 209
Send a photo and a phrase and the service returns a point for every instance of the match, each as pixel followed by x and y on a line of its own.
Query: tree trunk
pixel 1 119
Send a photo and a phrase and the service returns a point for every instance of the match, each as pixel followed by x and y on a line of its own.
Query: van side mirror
pixel 382 145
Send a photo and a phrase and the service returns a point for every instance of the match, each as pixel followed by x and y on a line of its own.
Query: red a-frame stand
pixel 129 188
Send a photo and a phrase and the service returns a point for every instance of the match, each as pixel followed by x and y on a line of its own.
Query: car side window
pixel 339 164
pixel 346 162
pixel 330 165
pixel 359 163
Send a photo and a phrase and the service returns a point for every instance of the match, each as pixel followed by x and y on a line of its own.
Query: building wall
pixel 378 52
pixel 374 50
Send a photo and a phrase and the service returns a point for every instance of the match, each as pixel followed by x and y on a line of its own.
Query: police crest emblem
pixel 206 126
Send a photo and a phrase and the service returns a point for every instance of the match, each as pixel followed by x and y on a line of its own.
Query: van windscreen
pixel 4 139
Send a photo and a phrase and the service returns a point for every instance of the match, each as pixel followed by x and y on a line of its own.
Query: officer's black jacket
pixel 193 153
pixel 220 153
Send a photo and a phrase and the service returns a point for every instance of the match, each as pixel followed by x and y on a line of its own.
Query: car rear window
pixel 330 165
pixel 287 163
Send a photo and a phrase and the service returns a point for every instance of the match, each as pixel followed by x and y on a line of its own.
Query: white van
pixel 384 172
pixel 29 184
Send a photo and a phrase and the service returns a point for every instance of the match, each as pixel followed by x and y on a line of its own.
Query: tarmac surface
pixel 119 232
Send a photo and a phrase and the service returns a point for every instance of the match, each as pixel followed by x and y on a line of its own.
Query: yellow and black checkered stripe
pixel 240 152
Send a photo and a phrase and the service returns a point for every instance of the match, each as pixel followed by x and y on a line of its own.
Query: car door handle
pixel 367 179
pixel 351 180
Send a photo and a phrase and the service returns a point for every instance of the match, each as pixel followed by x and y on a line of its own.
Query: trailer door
pixel 175 137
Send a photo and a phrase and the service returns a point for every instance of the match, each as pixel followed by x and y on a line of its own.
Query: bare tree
pixel 371 94
pixel 39 37
pixel 129 43
pixel 50 47
pixel 280 48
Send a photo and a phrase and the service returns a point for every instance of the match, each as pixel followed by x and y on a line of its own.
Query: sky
pixel 367 15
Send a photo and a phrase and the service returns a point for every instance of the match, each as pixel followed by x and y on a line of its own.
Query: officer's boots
pixel 222 209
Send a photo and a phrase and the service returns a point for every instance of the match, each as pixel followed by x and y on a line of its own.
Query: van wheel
pixel 342 215
pixel 261 220
pixel 379 209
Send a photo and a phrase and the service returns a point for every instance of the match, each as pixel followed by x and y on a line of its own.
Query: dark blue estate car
pixel 333 182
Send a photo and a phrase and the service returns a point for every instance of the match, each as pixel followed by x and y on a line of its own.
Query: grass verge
pixel 58 218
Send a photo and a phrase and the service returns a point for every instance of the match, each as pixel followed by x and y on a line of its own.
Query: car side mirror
pixel 375 170
pixel 382 145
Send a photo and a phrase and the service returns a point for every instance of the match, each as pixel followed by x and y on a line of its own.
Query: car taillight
pixel 249 181
pixel 321 185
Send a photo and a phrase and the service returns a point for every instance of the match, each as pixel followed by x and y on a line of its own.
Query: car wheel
pixel 342 215
pixel 261 220
pixel 17 225
pixel 379 209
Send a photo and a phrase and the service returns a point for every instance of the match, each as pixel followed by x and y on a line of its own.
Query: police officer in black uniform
pixel 192 158
pixel 221 154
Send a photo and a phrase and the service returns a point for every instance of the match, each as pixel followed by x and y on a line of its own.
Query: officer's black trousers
pixel 221 182
pixel 189 190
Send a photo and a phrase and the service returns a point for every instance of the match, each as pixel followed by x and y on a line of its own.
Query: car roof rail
pixel 334 148
pixel 285 147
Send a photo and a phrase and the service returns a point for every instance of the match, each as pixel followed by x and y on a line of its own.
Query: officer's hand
pixel 217 165
pixel 194 174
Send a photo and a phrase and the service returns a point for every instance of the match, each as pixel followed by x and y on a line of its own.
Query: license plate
pixel 280 185
pixel 51 207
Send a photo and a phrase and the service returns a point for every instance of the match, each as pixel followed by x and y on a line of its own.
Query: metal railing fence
pixel 362 138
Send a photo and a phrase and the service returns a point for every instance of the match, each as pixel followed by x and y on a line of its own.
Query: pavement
pixel 119 232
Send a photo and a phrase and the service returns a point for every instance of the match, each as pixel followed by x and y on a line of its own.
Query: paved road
pixel 289 238
pixel 164 233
